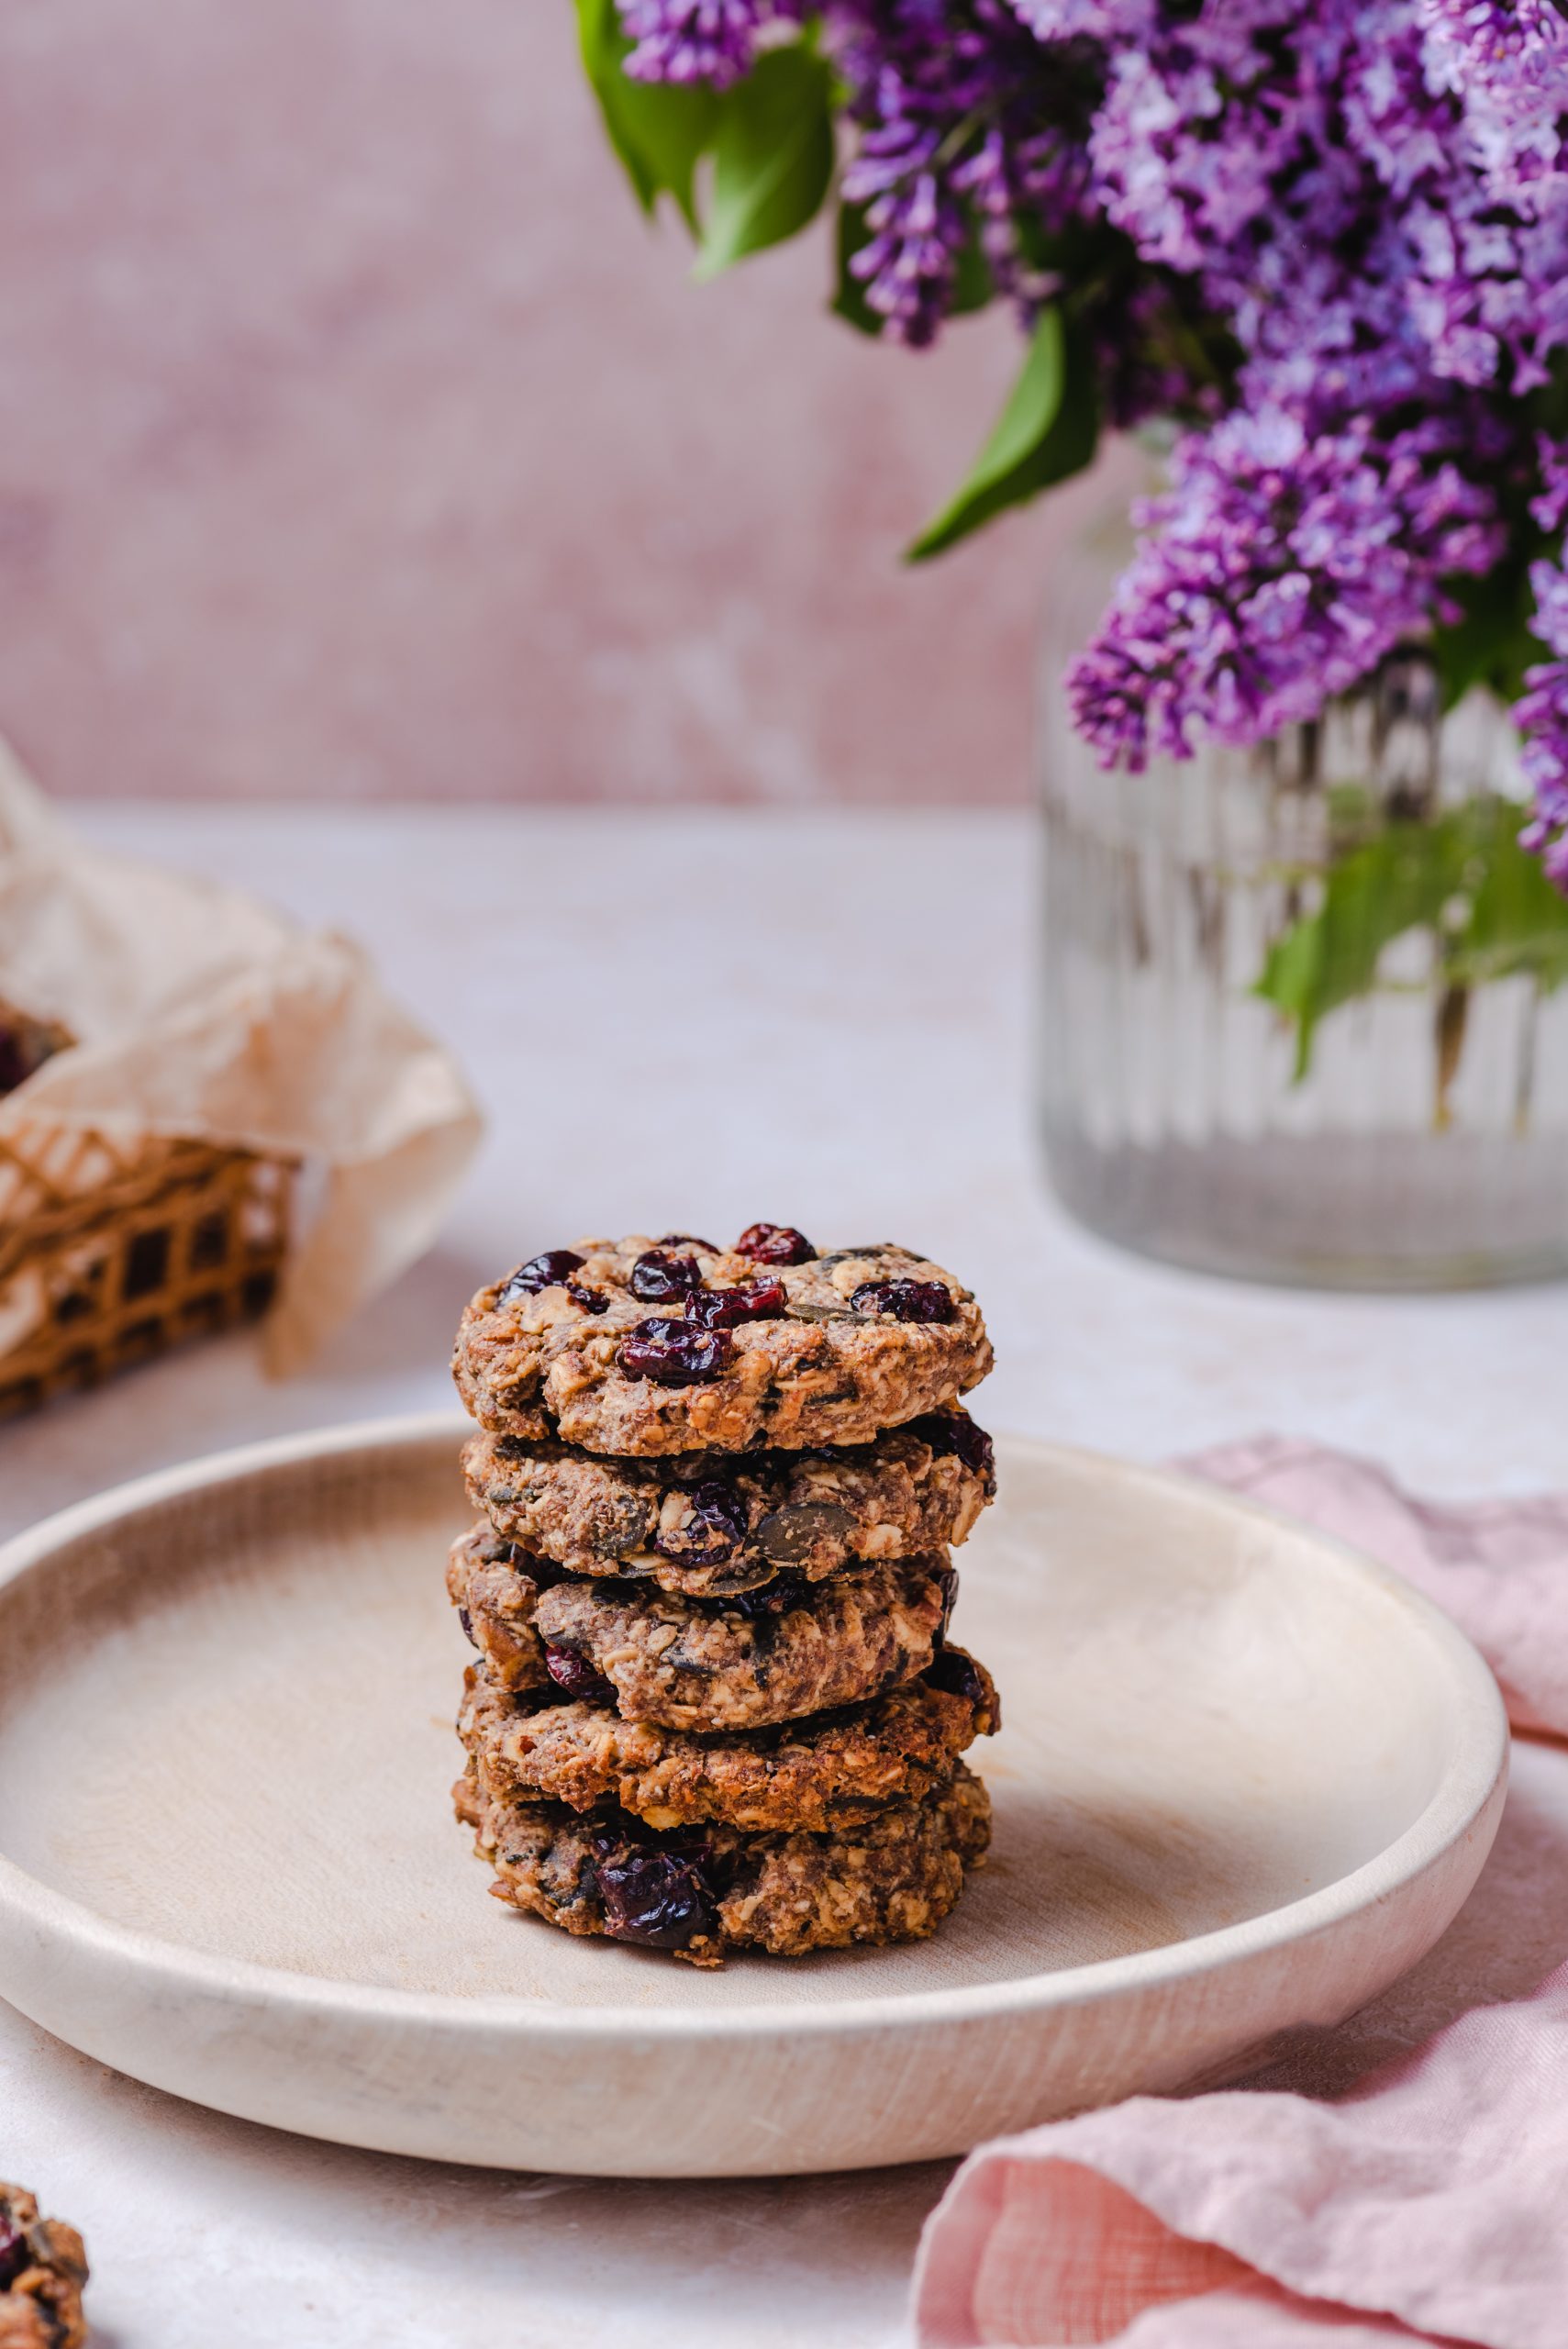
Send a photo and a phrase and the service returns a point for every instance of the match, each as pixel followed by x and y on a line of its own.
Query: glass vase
pixel 1303 1012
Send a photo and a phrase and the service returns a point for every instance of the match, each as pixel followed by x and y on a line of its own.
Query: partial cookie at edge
pixel 41 2277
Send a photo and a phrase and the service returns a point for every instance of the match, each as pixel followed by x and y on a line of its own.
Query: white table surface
pixel 690 1020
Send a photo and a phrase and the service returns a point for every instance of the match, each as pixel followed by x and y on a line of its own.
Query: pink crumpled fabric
pixel 1429 2206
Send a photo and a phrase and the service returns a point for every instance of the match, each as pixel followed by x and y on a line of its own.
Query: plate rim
pixel 1474 1780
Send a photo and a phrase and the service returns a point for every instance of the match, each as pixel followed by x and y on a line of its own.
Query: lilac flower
pixel 1196 139
pixel 918 228
pixel 1113 22
pixel 1311 172
pixel 1543 718
pixel 1549 507
pixel 964 121
pixel 1333 237
pixel 1511 66
pixel 1279 571
pixel 691 40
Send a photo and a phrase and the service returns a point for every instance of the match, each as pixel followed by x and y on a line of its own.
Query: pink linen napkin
pixel 1500 1568
pixel 1430 2205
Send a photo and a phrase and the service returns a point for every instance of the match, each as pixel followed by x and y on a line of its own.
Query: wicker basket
pixel 112 1251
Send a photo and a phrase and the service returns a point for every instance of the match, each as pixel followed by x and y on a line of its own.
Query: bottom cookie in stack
pixel 714 1889
pixel 855 1825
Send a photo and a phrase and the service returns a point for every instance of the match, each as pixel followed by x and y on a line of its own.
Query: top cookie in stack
pixel 639 1347
pixel 651 1609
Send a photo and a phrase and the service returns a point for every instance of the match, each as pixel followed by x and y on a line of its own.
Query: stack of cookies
pixel 715 1706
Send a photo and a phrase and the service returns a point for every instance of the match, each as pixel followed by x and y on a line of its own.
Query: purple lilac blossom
pixel 1542 718
pixel 1331 204
pixel 1279 571
pixel 1320 181
pixel 918 226
pixel 1362 205
pixel 965 122
pixel 1510 65
pixel 1549 507
pixel 691 40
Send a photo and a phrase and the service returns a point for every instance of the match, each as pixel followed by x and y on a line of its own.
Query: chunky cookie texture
pixel 644 1347
pixel 718 1888
pixel 495 1589
pixel 42 2269
pixel 831 1770
pixel 738 1662
pixel 758 1658
pixel 707 1527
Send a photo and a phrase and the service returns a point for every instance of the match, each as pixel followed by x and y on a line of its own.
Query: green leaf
pixel 849 301
pixel 1517 922
pixel 1463 876
pixel 1490 643
pixel 772 157
pixel 1046 430
pixel 1400 881
pixel 659 131
pixel 972 285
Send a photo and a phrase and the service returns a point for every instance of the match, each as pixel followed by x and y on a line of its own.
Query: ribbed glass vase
pixel 1304 1014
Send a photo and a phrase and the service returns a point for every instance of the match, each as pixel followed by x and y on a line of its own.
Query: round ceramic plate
pixel 1246 1779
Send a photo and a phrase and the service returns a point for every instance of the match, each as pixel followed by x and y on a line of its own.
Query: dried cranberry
pixel 959 1676
pixel 466 1620
pixel 541 1272
pixel 721 1309
pixel 659 1899
pixel 589 1300
pixel 713 1533
pixel 775 1243
pixel 576 1678
pixel 672 1354
pixel 685 1240
pixel 956 1433
pixel 906 1300
pixel 775 1598
pixel 15 2256
pixel 659 1279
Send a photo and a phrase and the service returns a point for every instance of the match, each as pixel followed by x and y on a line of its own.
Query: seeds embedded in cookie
pixel 496 1590
pixel 828 1771
pixel 759 1344
pixel 695 1524
pixel 717 1888
pixel 758 1657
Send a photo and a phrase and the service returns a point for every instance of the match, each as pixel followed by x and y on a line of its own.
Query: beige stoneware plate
pixel 1245 1781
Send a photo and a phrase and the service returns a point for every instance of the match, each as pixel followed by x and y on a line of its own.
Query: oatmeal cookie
pixel 645 1347
pixel 737 1662
pixel 42 2269
pixel 717 1888
pixel 830 1771
pixel 707 1527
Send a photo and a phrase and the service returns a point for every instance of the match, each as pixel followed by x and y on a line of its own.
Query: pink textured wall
pixel 358 440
